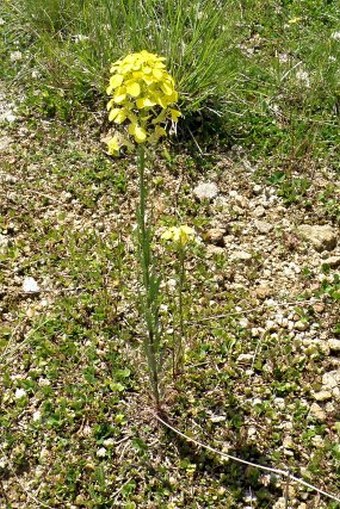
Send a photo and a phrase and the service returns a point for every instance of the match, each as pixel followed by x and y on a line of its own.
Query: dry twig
pixel 283 473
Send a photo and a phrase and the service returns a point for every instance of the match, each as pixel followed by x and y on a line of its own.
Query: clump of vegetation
pixel 253 75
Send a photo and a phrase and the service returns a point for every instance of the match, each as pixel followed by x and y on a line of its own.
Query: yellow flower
pixel 292 21
pixel 113 146
pixel 118 115
pixel 142 97
pixel 138 133
pixel 175 114
pixel 180 235
pixel 133 88
pixel 115 82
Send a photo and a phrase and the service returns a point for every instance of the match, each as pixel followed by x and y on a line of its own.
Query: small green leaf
pixel 117 387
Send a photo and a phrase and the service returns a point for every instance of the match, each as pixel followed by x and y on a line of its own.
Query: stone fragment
pixel 5 141
pixel 20 393
pixel 8 178
pixel 239 199
pixel 215 236
pixel 322 237
pixel 331 379
pixel 334 345
pixel 256 331
pixel 36 416
pixel 214 250
pixel 329 407
pixel 280 503
pixel 317 412
pixel 7 116
pixel 206 191
pixel 257 189
pixel 336 393
pixel 322 395
pixel 15 56
pixel 245 357
pixel 317 441
pixel 228 240
pixel 171 283
pixel 221 204
pixel 301 326
pixel 288 443
pixel 288 452
pixel 251 432
pixel 237 211
pixel 244 322
pixel 271 325
pixel 241 256
pixel 218 418
pixel 263 291
pixel 259 211
pixel 108 442
pixel 319 307
pixel 30 285
pixel 262 226
pixel 101 453
pixel 279 403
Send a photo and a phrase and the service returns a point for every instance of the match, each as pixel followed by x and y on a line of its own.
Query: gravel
pixel 206 191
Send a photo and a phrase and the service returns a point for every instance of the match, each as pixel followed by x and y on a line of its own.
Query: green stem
pixel 150 283
pixel 181 284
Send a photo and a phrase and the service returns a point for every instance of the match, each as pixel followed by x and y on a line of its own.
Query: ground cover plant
pixel 254 172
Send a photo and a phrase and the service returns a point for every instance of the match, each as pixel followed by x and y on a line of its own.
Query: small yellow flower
pixel 292 21
pixel 180 235
pixel 133 88
pixel 118 115
pixel 137 132
pixel 113 146
pixel 115 82
pixel 115 143
pixel 142 98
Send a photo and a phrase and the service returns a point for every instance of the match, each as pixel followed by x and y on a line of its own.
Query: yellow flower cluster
pixel 142 95
pixel 180 235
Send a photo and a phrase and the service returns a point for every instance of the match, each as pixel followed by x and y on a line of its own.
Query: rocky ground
pixel 262 378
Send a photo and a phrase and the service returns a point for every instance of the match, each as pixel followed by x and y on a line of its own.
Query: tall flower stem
pixel 151 282
pixel 181 338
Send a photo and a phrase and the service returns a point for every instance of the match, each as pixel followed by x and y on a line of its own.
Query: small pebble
pixel 301 326
pixel 245 357
pixel 215 236
pixel 317 412
pixel 334 345
pixel 263 227
pixel 36 416
pixel 101 453
pixel 242 256
pixel 20 393
pixel 259 211
pixel 331 379
pixel 206 191
pixel 322 395
pixel 257 189
pixel 30 285
pixel 5 141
